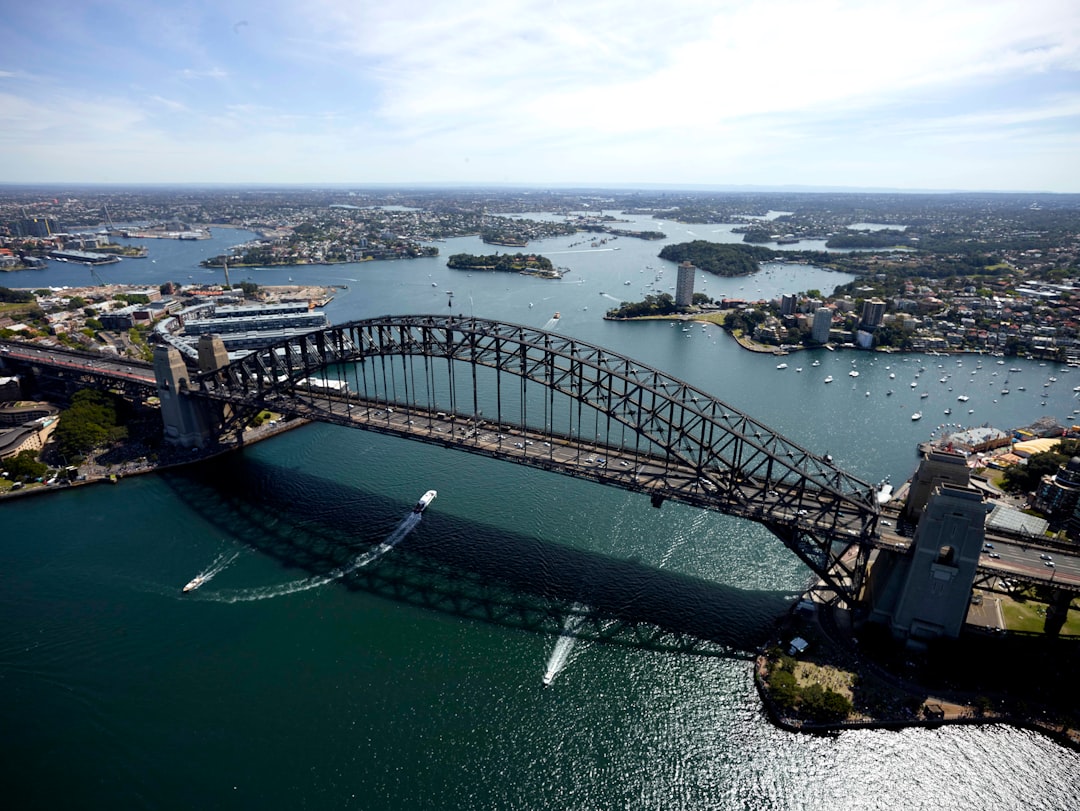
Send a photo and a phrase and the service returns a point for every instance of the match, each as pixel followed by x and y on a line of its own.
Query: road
pixel 120 368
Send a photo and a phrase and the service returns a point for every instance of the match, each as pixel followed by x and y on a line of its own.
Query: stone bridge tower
pixel 189 422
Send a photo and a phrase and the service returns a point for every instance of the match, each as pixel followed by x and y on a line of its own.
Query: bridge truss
pixel 554 402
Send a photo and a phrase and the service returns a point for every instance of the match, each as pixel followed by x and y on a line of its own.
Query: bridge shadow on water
pixel 469 569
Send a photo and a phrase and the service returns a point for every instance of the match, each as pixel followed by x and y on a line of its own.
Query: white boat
pixel 853 373
pixel 781 366
pixel 963 398
pixel 816 363
pixel 924 395
pixel 892 375
pixel 424 501
pixel 196 581
pixel 828 379
pixel 916 416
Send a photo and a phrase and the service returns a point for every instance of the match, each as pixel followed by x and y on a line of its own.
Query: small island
pixel 528 264
pixel 720 259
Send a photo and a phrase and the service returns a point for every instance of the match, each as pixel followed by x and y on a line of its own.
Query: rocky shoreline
pixel 833 660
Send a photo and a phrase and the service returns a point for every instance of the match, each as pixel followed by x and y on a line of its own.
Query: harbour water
pixel 308 673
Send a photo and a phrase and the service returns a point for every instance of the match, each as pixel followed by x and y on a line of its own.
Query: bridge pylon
pixel 189 422
pixel 925 594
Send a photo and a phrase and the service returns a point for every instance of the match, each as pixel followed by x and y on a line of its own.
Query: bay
pixel 284 683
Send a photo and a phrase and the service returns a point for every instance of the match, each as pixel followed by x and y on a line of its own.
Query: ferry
pixel 196 581
pixel 424 501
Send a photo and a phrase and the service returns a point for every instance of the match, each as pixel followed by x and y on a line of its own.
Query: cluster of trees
pixel 513 263
pixel 24 466
pixel 718 258
pixel 755 234
pixel 811 701
pixel 743 322
pixel 132 298
pixel 9 296
pixel 637 234
pixel 659 304
pixel 92 420
pixel 886 238
pixel 1025 478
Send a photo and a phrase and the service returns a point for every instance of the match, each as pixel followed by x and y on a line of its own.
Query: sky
pixel 917 94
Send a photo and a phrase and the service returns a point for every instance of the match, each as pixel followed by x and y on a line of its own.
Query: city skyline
pixel 974 96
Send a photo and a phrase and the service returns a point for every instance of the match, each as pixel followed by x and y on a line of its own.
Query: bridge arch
pixel 539 398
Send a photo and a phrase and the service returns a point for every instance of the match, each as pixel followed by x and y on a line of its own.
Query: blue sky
pixel 919 94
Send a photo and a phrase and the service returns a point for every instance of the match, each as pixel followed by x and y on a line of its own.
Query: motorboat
pixel 781 366
pixel 556 316
pixel 424 501
pixel 195 582
pixel 828 379
pixel 916 416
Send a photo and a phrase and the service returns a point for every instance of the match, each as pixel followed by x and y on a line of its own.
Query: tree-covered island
pixel 528 264
pixel 720 259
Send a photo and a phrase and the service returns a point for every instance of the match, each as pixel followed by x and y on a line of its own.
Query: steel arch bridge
pixel 554 402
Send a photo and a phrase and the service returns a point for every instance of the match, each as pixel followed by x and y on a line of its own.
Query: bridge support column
pixel 212 353
pixel 925 594
pixel 189 423
pixel 1057 611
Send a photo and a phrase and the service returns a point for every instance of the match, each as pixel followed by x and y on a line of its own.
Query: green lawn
pixel 1030 615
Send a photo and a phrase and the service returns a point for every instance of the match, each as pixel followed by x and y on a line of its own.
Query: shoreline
pixel 751 345
pixel 836 646
pixel 123 472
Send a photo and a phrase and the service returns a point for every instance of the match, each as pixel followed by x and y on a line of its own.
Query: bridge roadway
pixel 1019 559
pixel 573 456
pixel 779 504
pixel 642 473
pixel 120 369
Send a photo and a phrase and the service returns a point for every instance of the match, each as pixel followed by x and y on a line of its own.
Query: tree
pixel 1025 478
pixel 89 422
pixel 24 466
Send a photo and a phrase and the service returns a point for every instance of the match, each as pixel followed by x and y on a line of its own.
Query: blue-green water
pixel 308 673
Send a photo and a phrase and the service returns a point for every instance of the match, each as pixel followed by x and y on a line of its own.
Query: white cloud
pixel 602 90
pixel 209 73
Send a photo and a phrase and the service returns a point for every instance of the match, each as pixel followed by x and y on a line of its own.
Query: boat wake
pixel 211 571
pixel 407 525
pixel 560 654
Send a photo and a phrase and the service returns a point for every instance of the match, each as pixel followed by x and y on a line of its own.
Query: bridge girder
pixel 716 456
